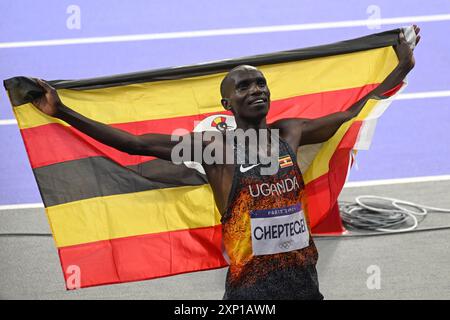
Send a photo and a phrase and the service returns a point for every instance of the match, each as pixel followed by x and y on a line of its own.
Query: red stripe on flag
pixel 393 91
pixel 322 192
pixel 66 143
pixel 63 143
pixel 317 105
pixel 143 257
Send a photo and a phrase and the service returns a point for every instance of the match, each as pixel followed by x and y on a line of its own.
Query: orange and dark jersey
pixel 266 235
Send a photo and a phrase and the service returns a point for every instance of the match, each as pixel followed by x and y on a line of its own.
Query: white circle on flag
pixel 219 122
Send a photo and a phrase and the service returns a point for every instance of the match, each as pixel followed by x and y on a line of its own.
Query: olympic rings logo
pixel 286 244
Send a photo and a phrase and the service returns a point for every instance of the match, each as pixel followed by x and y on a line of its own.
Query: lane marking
pixel 21 206
pixel 354 184
pixel 227 32
pixel 423 95
pixel 403 96
pixel 369 183
pixel 7 122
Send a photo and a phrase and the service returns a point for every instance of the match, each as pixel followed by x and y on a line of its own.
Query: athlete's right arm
pixel 153 144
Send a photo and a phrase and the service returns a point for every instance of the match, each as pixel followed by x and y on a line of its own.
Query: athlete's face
pixel 248 94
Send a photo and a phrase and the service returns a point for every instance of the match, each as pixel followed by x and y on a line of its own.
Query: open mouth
pixel 257 101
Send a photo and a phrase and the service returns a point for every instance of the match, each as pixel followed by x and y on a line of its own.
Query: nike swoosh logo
pixel 245 169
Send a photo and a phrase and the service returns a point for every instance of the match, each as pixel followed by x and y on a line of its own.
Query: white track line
pixel 21 206
pixel 369 183
pixel 404 96
pixel 227 32
pixel 8 122
pixel 423 95
pixel 354 184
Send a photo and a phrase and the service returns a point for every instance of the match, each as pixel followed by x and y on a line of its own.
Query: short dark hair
pixel 226 79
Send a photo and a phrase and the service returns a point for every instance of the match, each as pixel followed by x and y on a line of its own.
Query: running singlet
pixel 266 235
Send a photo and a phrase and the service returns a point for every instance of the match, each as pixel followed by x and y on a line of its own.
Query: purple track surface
pixel 412 137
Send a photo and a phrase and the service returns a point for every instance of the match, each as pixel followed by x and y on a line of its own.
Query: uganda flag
pixel 285 161
pixel 117 217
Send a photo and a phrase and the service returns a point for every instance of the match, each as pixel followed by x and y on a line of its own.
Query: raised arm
pixel 305 131
pixel 157 145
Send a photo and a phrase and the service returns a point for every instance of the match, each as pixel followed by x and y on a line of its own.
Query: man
pixel 265 231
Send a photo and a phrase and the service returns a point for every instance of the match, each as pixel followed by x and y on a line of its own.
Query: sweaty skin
pixel 240 90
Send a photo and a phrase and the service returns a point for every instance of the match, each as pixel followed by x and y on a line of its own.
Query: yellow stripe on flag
pixel 321 161
pixel 126 215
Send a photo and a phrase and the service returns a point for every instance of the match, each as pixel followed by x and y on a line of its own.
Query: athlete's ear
pixel 226 103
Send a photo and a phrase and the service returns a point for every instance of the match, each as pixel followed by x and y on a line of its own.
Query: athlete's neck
pixel 256 125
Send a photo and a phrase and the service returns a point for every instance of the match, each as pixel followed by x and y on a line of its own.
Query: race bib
pixel 278 230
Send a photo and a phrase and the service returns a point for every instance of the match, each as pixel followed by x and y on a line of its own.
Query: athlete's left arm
pixel 310 131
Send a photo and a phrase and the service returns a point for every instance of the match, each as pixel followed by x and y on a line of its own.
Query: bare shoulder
pixel 290 130
pixel 288 124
